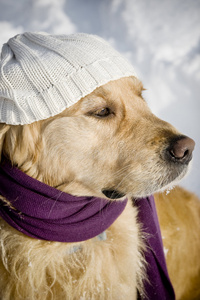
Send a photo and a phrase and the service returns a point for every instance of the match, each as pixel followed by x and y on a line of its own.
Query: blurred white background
pixel 160 38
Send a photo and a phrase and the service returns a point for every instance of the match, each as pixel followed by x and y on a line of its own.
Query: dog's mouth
pixel 113 194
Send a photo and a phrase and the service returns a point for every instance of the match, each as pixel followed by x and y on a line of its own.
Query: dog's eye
pixel 103 112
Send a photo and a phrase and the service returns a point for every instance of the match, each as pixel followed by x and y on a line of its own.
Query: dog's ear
pixel 20 143
pixel 3 130
pixel 137 86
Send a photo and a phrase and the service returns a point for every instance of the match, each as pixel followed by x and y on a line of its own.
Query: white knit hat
pixel 43 74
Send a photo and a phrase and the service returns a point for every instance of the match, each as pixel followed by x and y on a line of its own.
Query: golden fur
pixel 81 153
pixel 179 218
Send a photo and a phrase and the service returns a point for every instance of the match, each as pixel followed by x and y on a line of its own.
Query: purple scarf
pixel 159 286
pixel 43 212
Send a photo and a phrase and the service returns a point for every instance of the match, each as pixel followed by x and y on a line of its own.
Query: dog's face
pixel 107 145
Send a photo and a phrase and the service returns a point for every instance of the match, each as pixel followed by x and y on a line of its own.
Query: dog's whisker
pixel 122 181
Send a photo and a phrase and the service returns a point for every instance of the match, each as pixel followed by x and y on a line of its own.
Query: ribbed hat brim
pixel 45 94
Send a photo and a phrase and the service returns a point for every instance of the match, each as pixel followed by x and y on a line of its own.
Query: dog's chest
pixel 104 267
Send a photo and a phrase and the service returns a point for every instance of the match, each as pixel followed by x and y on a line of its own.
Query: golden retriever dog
pixel 113 142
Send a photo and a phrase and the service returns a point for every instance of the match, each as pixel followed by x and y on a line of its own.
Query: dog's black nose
pixel 180 149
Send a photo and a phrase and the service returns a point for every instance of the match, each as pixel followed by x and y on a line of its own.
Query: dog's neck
pixel 43 212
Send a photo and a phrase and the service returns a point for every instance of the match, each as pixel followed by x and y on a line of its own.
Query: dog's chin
pixel 167 184
pixel 168 187
pixel 171 182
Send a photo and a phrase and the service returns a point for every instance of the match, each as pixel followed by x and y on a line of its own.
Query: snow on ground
pixel 160 38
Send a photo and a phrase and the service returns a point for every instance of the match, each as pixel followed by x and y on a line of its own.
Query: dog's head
pixel 108 144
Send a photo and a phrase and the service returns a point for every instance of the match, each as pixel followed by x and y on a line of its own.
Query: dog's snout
pixel 180 149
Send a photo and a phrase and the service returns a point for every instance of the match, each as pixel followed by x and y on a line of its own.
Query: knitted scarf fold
pixel 43 212
pixel 159 286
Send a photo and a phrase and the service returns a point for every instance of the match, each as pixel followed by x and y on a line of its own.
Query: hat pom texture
pixel 43 74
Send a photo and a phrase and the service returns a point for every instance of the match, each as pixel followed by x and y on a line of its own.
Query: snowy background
pixel 160 37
